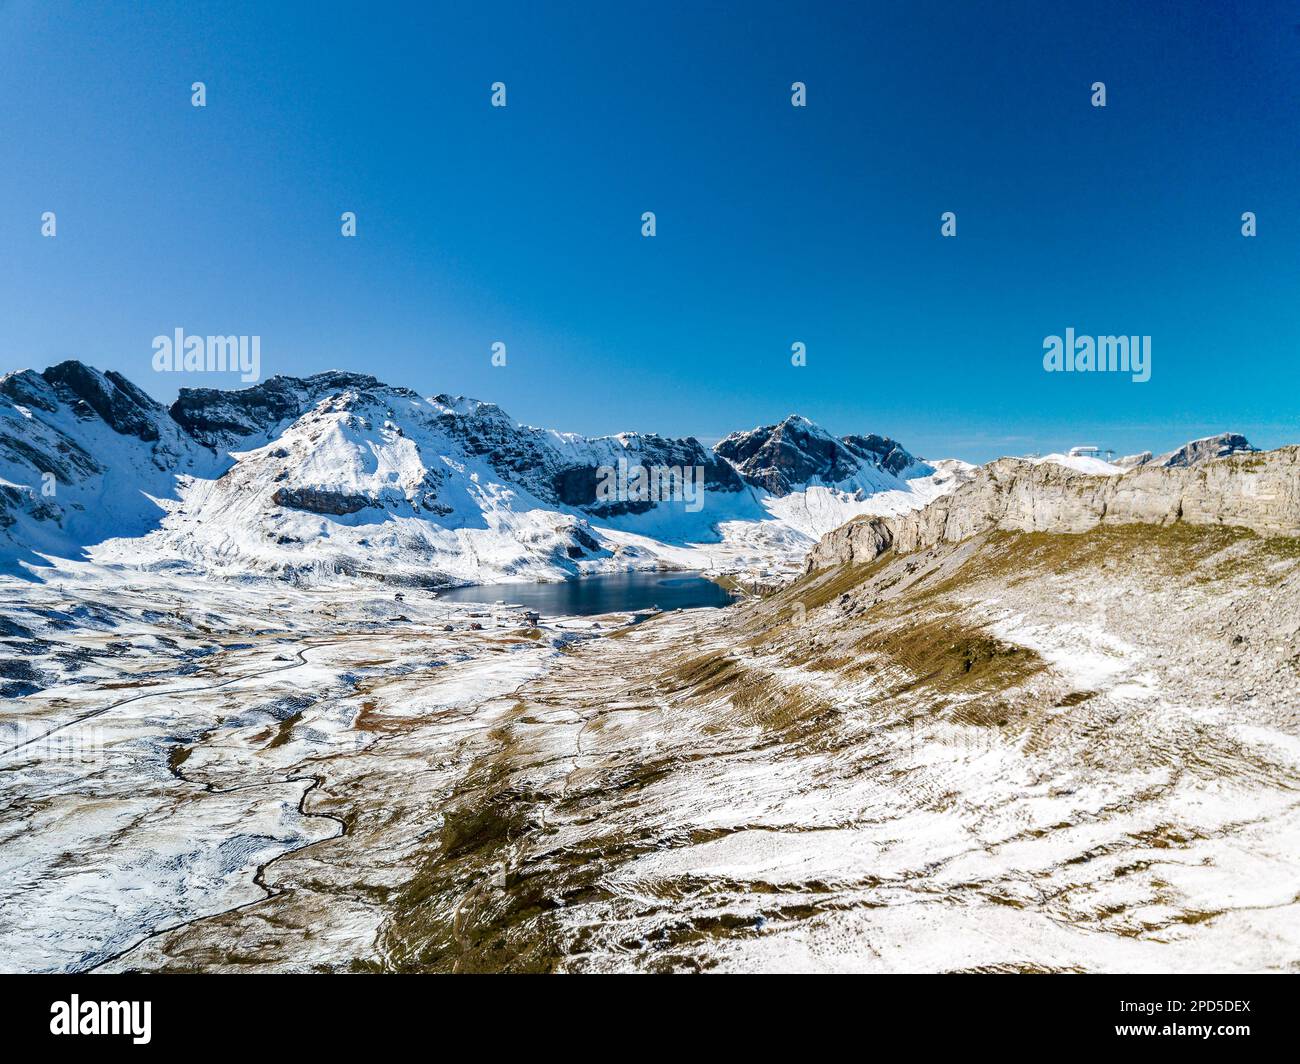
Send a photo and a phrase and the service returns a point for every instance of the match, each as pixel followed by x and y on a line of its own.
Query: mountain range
pixel 339 473
pixel 1003 718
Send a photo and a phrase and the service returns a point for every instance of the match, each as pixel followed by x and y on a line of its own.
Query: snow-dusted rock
pixel 1259 491
pixel 1206 449
pixel 83 456
pixel 786 457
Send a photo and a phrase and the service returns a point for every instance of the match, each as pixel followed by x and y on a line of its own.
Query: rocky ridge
pixel 1202 450
pixel 338 472
pixel 1259 491
pixel 778 458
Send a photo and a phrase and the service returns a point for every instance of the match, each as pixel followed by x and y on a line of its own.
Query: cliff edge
pixel 1258 491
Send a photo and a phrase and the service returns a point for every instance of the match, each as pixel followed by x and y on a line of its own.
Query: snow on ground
pixel 698 791
pixel 162 764
pixel 1081 463
pixel 1091 656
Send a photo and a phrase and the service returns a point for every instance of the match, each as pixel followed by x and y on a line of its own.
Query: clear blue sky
pixel 775 224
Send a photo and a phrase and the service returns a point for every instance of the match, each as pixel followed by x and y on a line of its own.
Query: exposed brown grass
pixel 285 731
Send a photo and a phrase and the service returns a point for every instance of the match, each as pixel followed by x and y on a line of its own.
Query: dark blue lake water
pixel 607 593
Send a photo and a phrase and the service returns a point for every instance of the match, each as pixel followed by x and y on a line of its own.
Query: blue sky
pixel 775 224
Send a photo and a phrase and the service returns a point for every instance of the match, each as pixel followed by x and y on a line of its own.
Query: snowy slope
pixel 1081 463
pixel 83 456
pixel 340 474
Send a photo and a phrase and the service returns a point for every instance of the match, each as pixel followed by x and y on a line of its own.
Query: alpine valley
pixel 1036 715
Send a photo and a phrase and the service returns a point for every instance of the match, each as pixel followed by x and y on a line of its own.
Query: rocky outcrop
pixel 880 451
pixel 783 458
pixel 220 418
pixel 28 388
pixel 577 485
pixel 321 502
pixel 1259 491
pixel 1132 461
pixel 109 396
pixel 565 469
pixel 1205 450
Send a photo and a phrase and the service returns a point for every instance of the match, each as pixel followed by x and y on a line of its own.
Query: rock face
pixel 109 396
pixel 882 452
pixel 576 485
pixel 321 502
pixel 83 455
pixel 562 468
pixel 1205 450
pixel 218 418
pixel 1259 491
pixel 29 388
pixel 780 458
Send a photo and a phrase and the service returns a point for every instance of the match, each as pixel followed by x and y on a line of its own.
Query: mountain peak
pixel 798 421
pixel 796 451
pixel 120 404
pixel 1205 449
pixel 28 388
pixel 464 405
pixel 225 418
pixel 476 411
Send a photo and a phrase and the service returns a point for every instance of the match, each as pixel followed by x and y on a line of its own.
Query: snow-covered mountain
pixel 83 454
pixel 339 473
pixel 787 457
pixel 1202 450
